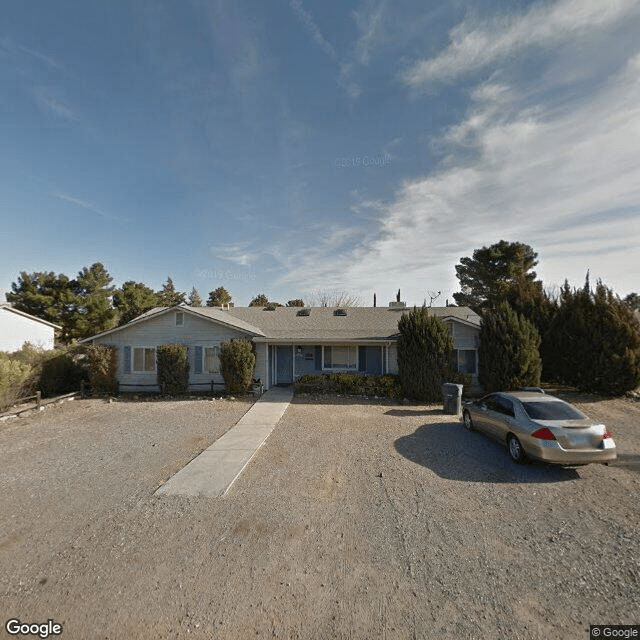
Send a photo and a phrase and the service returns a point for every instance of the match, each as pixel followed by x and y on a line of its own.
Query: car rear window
pixel 551 410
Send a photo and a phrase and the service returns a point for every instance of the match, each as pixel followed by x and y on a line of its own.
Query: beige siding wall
pixel 163 330
pixel 464 337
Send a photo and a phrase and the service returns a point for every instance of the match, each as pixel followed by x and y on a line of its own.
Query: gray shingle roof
pixel 360 323
pixel 322 324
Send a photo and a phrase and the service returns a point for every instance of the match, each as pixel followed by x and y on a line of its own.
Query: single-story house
pixel 18 327
pixel 289 341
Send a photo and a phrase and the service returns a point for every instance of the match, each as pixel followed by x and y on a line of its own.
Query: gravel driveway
pixel 354 520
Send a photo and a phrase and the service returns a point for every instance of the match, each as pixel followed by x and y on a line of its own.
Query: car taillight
pixel 544 434
pixel 607 434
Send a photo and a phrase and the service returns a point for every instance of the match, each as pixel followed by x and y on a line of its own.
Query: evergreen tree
pixel 237 362
pixel 425 351
pixel 633 300
pixel 508 353
pixel 93 312
pixel 132 300
pixel 219 297
pixel 168 296
pixel 194 298
pixel 496 273
pixel 593 341
pixel 47 296
pixel 259 301
pixel 295 303
pixel 172 365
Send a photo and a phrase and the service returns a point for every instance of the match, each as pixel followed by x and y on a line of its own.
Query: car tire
pixel 468 422
pixel 516 452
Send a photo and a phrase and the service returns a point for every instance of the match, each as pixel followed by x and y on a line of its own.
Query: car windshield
pixel 551 410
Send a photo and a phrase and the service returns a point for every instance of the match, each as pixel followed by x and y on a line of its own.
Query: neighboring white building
pixel 17 327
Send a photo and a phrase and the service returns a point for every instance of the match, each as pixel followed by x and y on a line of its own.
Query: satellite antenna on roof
pixel 433 295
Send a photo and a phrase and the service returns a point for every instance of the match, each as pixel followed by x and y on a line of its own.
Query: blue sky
pixel 290 146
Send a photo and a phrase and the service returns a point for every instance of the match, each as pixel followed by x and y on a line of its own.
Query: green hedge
pixel 173 369
pixel 237 362
pixel 101 361
pixel 386 386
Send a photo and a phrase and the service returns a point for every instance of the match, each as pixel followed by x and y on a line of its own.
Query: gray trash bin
pixel 452 397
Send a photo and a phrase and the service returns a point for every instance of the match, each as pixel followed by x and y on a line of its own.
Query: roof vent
pixel 340 312
pixel 303 312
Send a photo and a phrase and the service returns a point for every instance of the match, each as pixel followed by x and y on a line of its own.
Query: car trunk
pixel 575 434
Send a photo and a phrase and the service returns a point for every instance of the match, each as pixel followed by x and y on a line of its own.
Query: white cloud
pixel 473 47
pixel 369 25
pixel 565 180
pixel 240 254
pixel 47 100
pixel 88 206
pixel 345 69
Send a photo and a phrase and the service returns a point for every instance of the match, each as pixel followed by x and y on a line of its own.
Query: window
pixel 343 357
pixel 211 359
pixel 179 319
pixel 465 360
pixel 504 405
pixel 551 410
pixel 144 359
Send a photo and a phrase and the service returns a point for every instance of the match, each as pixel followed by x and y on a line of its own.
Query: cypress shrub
pixel 103 368
pixel 237 362
pixel 172 366
pixel 593 342
pixel 61 373
pixel 425 351
pixel 508 353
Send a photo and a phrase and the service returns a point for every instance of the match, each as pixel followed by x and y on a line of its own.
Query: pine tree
pixel 132 300
pixel 93 312
pixel 168 296
pixel 260 300
pixel 508 353
pixel 194 298
pixel 494 273
pixel 219 297
pixel 47 296
pixel 425 351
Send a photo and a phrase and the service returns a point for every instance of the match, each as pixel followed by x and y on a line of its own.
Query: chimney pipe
pixel 374 299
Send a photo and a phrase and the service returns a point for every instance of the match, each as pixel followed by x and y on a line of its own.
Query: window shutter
pixel 198 363
pixel 318 358
pixel 362 359
pixel 127 360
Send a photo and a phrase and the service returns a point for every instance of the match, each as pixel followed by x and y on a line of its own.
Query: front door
pixel 284 360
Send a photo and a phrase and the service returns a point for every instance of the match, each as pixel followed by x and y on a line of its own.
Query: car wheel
pixel 515 449
pixel 468 422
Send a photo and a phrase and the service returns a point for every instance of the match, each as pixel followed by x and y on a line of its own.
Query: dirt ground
pixel 356 519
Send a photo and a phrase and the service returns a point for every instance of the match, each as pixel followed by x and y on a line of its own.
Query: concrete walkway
pixel 214 471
